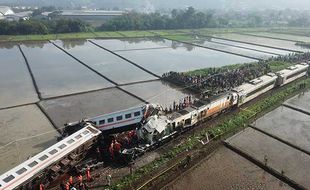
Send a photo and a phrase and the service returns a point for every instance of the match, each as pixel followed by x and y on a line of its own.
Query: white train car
pixel 116 120
pixel 250 90
pixel 49 164
pixel 292 73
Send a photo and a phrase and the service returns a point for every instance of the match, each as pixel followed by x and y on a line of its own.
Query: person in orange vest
pixel 71 180
pixel 88 174
pixel 41 186
pixel 80 178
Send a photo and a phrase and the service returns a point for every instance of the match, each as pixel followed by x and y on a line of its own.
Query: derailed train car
pixel 161 127
pixel 53 162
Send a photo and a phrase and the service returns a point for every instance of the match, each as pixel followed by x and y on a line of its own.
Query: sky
pixel 170 4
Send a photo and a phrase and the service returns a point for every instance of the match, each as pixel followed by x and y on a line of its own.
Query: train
pixel 51 163
pixel 161 126
pixel 119 121
pixel 152 127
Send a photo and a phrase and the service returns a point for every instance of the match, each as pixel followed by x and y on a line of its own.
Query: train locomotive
pixel 159 127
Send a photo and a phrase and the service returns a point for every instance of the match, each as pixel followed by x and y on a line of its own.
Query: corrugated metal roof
pixel 4 10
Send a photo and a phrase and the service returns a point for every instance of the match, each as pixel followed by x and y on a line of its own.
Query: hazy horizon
pixel 170 4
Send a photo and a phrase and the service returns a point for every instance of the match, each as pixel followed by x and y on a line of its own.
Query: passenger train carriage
pixel 255 87
pixel 52 162
pixel 116 121
pixel 292 73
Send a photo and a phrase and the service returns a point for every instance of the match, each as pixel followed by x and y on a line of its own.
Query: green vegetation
pixel 228 126
pixel 273 65
pixel 26 27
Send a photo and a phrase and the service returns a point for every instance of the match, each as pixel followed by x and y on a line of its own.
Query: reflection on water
pixel 68 44
pixel 16 86
pixel 181 59
pixel 58 74
pixel 108 64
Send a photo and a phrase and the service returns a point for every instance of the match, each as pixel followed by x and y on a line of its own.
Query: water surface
pixel 181 59
pixel 58 74
pixel 15 80
pixel 108 64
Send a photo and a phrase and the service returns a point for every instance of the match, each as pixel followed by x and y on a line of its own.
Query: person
pixel 109 178
pixel 67 185
pixel 71 180
pixel 88 174
pixel 80 178
pixel 41 186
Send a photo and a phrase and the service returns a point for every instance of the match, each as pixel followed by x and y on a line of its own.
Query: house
pixel 5 11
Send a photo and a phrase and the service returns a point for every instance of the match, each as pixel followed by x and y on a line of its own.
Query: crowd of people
pixel 219 80
pixel 179 105
pixel 214 81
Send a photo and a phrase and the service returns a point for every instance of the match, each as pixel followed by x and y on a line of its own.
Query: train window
pixel 21 171
pixel 62 146
pixel 101 122
pixel 137 113
pixel 70 141
pixel 110 120
pixel 127 116
pixel 8 179
pixel 78 136
pixel 44 157
pixel 118 118
pixel 85 132
pixel 32 164
pixel 53 151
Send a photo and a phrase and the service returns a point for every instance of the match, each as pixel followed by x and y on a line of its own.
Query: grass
pixel 274 66
pixel 228 126
pixel 174 34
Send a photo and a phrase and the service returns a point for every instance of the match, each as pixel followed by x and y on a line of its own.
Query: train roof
pixel 157 123
pixel 207 101
pixel 138 108
pixel 255 83
pixel 293 69
pixel 21 173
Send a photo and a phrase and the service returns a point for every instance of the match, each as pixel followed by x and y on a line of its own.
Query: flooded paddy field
pixel 157 92
pixel 76 107
pixel 128 44
pixel 251 46
pixel 15 80
pixel 301 102
pixel 282 36
pixel 58 74
pixel 288 125
pixel 181 59
pixel 281 158
pixel 289 45
pixel 106 63
pixel 225 169
pixel 236 50
pixel 25 131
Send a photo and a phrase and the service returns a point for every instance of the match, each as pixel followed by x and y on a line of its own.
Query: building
pixel 5 11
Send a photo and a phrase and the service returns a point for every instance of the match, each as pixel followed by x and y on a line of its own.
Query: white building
pixel 5 11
